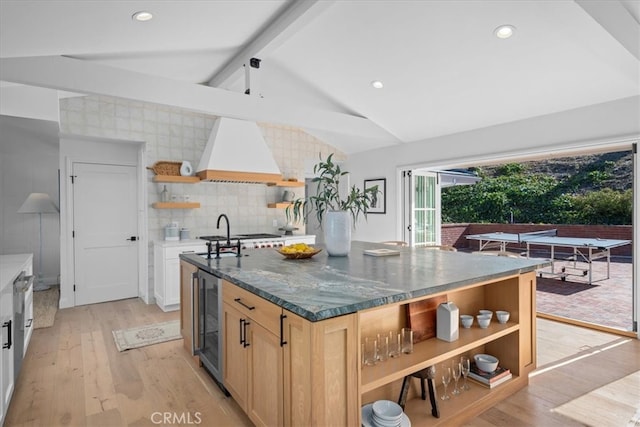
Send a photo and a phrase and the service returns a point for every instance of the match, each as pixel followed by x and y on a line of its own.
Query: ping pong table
pixel 584 249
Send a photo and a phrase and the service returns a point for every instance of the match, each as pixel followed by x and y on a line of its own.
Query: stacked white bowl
pixel 386 414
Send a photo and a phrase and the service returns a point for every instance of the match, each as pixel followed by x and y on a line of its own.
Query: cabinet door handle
pixel 249 307
pixel 29 322
pixel 241 331
pixel 282 341
pixel 246 343
pixel 194 291
pixel 7 325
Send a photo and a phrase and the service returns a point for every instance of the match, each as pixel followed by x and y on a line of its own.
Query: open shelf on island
pixel 513 343
pixel 431 352
pixel 474 400
pixel 176 179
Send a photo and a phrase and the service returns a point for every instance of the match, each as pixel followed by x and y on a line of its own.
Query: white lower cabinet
pixel 15 322
pixel 166 267
pixel 7 329
pixel 28 319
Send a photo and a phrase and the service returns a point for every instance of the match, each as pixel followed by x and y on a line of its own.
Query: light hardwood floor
pixel 73 375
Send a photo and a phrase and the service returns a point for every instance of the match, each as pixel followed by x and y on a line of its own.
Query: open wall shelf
pixel 176 205
pixel 176 179
pixel 286 184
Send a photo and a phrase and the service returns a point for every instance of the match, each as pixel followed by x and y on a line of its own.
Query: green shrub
pixel 538 198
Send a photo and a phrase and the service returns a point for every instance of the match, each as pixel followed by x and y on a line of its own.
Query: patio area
pixel 606 302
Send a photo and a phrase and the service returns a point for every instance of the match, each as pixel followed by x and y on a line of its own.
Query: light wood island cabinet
pixel 277 364
pixel 253 357
pixel 284 369
pixel 322 376
pixel 188 302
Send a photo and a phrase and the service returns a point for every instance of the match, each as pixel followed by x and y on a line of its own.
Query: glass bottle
pixel 164 195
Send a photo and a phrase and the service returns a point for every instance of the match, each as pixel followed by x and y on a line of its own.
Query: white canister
pixel 171 231
pixel 184 234
pixel 447 319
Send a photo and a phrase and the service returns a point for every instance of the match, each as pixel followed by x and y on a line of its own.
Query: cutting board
pixel 381 252
pixel 421 317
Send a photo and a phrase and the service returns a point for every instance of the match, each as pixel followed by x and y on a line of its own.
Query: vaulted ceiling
pixel 443 69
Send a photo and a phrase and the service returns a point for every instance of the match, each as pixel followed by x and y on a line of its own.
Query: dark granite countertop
pixel 323 287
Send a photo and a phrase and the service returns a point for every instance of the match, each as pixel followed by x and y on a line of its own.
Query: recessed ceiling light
pixel 142 16
pixel 377 84
pixel 504 31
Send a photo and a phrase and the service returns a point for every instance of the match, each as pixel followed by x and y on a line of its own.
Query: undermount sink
pixel 222 255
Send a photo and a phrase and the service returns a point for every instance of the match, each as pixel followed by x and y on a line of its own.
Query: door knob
pixel 133 238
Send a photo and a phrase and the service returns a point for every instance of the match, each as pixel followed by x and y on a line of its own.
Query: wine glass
pixel 457 371
pixel 466 366
pixel 446 379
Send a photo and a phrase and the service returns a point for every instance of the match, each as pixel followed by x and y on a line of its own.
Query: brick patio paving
pixel 606 302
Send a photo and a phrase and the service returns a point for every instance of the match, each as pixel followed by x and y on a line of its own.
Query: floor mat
pixel 141 336
pixel 45 307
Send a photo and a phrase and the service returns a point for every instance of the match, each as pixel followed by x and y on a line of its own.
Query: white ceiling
pixel 443 69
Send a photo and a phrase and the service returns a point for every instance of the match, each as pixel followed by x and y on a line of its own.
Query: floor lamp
pixel 39 203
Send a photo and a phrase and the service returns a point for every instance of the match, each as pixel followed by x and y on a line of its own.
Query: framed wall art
pixel 379 205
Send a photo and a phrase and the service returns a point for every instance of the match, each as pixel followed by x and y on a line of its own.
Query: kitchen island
pixel 314 314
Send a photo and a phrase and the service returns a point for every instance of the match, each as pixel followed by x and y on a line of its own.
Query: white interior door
pixel 104 223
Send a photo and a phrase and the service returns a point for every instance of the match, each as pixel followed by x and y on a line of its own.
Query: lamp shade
pixel 38 203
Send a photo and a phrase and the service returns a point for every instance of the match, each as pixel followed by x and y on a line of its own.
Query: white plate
pixel 367 414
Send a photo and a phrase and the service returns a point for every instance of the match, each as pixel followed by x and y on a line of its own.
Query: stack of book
pixel 487 379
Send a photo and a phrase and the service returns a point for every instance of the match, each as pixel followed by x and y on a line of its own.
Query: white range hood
pixel 237 152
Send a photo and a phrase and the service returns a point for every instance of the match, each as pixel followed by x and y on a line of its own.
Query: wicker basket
pixel 166 168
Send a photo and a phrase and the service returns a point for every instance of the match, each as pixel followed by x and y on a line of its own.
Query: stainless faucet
pixel 228 232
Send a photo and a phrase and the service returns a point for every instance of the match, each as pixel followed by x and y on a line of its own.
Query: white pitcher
pixel 288 196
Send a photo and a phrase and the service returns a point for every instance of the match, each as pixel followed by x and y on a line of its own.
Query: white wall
pixel 610 124
pixel 29 164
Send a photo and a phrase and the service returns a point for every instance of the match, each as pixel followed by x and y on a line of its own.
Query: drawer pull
pixel 244 328
pixel 282 341
pixel 7 325
pixel 195 293
pixel 239 301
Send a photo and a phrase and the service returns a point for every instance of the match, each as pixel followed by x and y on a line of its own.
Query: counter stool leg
pixel 435 411
pixel 403 392
pixel 429 375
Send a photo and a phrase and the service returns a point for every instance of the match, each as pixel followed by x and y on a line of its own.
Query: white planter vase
pixel 337 233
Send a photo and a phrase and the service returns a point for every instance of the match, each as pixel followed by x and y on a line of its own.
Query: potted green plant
pixel 333 210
